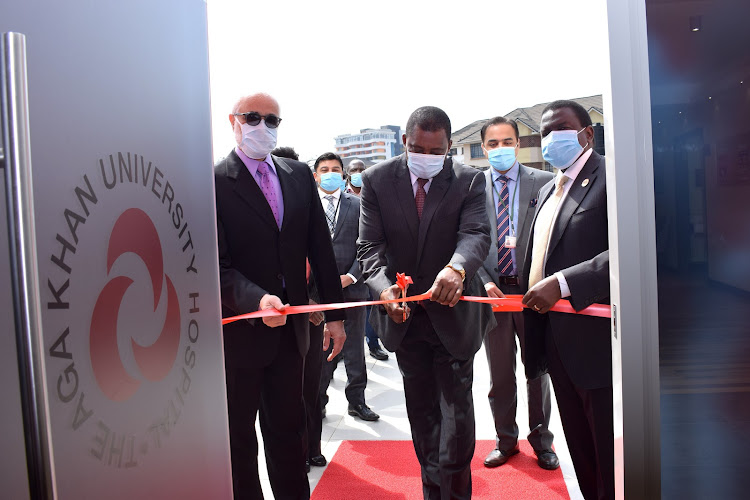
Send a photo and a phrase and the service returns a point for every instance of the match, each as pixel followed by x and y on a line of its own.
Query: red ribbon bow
pixel 403 281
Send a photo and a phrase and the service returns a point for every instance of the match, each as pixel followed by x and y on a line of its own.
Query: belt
pixel 508 280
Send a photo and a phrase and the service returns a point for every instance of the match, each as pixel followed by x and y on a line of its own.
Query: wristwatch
pixel 458 268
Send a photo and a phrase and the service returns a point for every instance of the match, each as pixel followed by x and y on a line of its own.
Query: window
pixel 453 152
pixel 476 150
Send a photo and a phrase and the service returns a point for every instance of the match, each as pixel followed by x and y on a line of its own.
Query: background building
pixel 467 142
pixel 370 145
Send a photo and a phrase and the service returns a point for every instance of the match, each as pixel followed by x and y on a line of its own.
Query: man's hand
pixel 395 310
pixel 346 280
pixel 334 331
pixel 493 291
pixel 317 317
pixel 272 302
pixel 447 288
pixel 542 296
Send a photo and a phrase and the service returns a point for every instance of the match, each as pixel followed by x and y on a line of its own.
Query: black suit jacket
pixel 256 258
pixel 579 248
pixel 454 228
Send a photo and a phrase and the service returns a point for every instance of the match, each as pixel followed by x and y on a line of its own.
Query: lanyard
pixel 512 201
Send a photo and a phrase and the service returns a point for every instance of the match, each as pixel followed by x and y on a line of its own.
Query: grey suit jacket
pixel 530 181
pixel 344 238
pixel 453 228
pixel 579 248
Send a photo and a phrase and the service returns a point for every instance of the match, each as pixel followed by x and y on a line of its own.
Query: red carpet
pixel 388 470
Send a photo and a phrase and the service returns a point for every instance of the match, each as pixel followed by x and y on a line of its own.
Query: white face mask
pixel 424 166
pixel 258 140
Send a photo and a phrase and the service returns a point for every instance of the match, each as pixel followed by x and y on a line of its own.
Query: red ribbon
pixel 509 303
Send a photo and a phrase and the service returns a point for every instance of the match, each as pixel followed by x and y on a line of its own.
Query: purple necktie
pixel 264 175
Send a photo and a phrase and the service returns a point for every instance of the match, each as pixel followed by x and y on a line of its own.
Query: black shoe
pixel 378 353
pixel 318 461
pixel 497 458
pixel 547 459
pixel 364 412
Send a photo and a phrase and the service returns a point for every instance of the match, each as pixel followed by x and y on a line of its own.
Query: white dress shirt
pixel 336 203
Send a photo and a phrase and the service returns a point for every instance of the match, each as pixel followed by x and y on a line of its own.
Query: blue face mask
pixel 331 181
pixel 561 148
pixel 356 180
pixel 502 158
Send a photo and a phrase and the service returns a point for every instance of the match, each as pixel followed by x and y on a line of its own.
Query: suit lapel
pixel 527 179
pixel 438 188
pixel 405 195
pixel 344 205
pixel 573 199
pixel 247 188
pixel 289 189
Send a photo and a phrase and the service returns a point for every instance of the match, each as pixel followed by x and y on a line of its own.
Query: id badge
pixel 510 242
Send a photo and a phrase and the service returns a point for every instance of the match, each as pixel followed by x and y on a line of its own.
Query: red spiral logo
pixel 133 232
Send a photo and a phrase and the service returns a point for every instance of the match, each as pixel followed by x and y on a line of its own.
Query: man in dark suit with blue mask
pixel 342 215
pixel 568 258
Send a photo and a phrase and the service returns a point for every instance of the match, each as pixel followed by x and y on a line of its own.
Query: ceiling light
pixel 709 98
pixel 695 23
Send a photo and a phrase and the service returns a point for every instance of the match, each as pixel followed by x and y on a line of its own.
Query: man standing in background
pixel 342 215
pixel 355 169
pixel 511 195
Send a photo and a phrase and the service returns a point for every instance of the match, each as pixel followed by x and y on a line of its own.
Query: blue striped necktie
pixel 504 256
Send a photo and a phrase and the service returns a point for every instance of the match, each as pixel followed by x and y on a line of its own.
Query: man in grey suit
pixel 568 257
pixel 511 195
pixel 342 214
pixel 423 215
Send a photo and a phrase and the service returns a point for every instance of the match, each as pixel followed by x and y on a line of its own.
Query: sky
pixel 340 66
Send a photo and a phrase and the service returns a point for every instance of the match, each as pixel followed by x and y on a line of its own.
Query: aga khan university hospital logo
pixel 121 318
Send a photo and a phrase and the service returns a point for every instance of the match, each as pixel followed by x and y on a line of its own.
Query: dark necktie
pixel 420 196
pixel 504 255
pixel 331 214
pixel 266 186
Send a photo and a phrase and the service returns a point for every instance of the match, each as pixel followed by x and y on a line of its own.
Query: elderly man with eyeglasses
pixel 269 221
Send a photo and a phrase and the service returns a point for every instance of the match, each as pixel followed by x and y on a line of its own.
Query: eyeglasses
pixel 253 118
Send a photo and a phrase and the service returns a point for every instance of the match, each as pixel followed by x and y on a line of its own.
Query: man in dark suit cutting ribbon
pixel 423 214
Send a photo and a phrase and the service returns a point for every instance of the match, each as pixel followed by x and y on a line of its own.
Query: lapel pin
pixel 585 183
